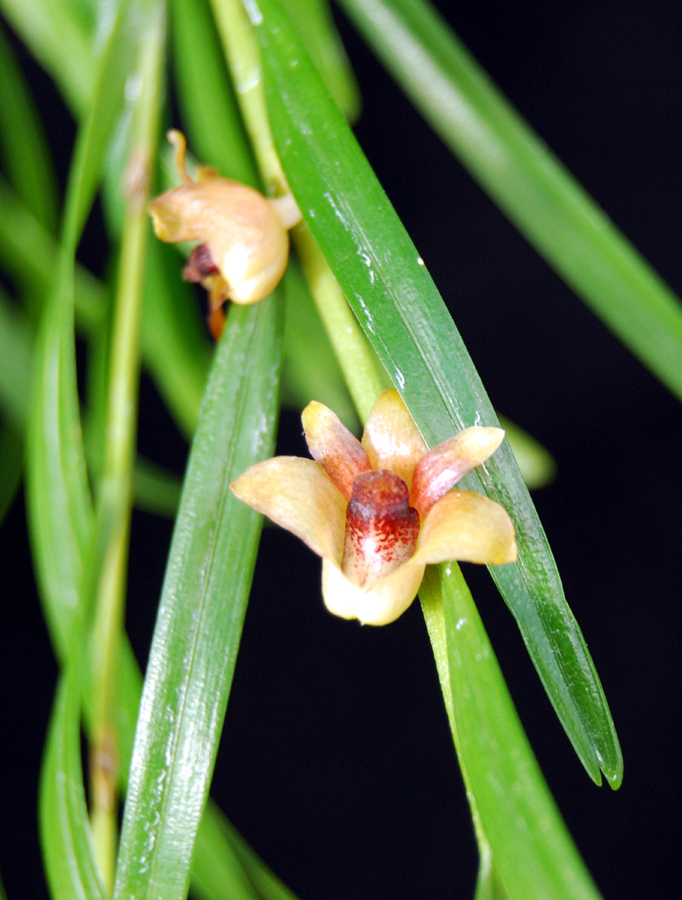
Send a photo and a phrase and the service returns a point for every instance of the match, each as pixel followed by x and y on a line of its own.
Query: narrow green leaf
pixel 267 884
pixel 314 22
pixel 29 256
pixel 201 613
pixel 522 176
pixel 59 42
pixel 405 319
pixel 60 510
pixel 174 340
pixel 11 465
pixel 532 853
pixel 535 462
pixel 156 490
pixel 15 362
pixel 27 159
pixel 263 883
pixel 64 829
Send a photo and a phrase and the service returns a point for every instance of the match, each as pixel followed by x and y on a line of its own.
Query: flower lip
pixel 381 527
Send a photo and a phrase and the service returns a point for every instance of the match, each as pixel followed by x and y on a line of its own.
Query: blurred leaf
pixel 535 462
pixel 532 852
pixel 406 321
pixel 529 184
pixel 59 503
pixel 27 159
pixel 263 884
pixel 201 613
pixel 29 255
pixel 60 42
pixel 11 465
pixel 316 27
pixel 15 362
pixel 156 490
pixel 175 346
pixel 64 828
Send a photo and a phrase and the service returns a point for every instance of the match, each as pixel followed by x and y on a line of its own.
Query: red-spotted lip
pixel 381 527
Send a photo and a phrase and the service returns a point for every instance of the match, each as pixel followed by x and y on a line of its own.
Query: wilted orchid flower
pixel 379 511
pixel 243 241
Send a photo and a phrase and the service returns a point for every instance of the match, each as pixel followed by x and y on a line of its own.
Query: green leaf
pixel 201 613
pixel 263 884
pixel 315 25
pixel 11 465
pixel 29 254
pixel 532 853
pixel 535 462
pixel 60 42
pixel 60 510
pixel 174 341
pixel 522 176
pixel 16 359
pixel 26 155
pixel 68 854
pixel 406 321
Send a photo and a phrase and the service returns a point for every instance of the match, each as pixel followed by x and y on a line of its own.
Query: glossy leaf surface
pixel 201 613
pixel 525 179
pixel 404 317
pixel 533 855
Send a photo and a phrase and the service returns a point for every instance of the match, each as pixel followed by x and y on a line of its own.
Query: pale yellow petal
pixel 384 602
pixel 297 494
pixel 333 445
pixel 466 526
pixel 246 238
pixel 441 468
pixel 391 438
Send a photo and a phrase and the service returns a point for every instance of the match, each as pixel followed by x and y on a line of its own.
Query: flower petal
pixel 466 526
pixel 244 234
pixel 381 528
pixel 391 438
pixel 333 445
pixel 298 495
pixel 442 467
pixel 387 599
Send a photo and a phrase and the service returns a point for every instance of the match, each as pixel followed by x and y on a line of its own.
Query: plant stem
pixel 115 500
pixel 362 373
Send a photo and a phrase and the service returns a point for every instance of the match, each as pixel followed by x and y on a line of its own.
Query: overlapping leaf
pixel 405 319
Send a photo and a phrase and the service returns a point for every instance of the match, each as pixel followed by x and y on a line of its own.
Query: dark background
pixel 336 761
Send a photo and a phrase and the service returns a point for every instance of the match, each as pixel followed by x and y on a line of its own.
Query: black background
pixel 336 761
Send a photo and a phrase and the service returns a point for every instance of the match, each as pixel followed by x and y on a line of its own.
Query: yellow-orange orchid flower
pixel 379 511
pixel 243 240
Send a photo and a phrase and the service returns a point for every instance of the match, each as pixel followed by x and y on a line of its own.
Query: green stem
pixel 361 373
pixel 243 59
pixel 364 377
pixel 116 494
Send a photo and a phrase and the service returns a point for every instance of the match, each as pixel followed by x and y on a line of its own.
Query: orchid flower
pixel 243 245
pixel 378 512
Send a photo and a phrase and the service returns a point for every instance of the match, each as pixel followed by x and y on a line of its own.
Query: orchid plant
pixel 317 294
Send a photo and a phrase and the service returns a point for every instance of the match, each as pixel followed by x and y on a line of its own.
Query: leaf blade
pixel 406 321
pixel 201 612
pixel 529 184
